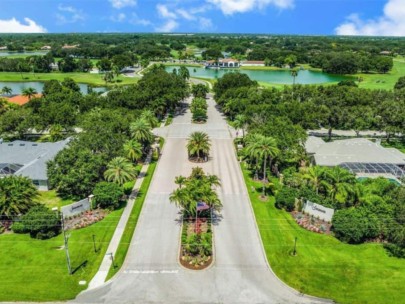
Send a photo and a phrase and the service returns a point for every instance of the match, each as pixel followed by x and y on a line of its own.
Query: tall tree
pixel 29 92
pixel 198 145
pixel 17 196
pixel 133 150
pixel 120 170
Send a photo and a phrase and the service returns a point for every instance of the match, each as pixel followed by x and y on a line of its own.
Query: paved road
pixel 152 274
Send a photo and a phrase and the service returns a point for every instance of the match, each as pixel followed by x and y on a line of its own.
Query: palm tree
pixel 265 149
pixel 150 118
pixel 133 150
pixel 17 196
pixel 213 181
pixel 116 71
pixel 198 145
pixel 55 132
pixel 314 177
pixel 180 180
pixel 240 123
pixel 294 74
pixel 29 92
pixel 141 131
pixel 108 77
pixel 184 72
pixel 341 184
pixel 7 90
pixel 181 198
pixel 119 170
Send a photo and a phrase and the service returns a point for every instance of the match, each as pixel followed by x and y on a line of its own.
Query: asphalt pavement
pixel 240 272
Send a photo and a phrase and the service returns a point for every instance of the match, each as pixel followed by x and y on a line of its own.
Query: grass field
pixel 324 266
pixel 122 250
pixel 94 79
pixel 51 199
pixel 384 81
pixel 35 270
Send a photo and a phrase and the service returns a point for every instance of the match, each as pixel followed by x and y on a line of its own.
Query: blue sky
pixel 320 17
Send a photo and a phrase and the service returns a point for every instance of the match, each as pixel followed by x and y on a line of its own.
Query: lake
pixel 5 54
pixel 18 87
pixel 270 76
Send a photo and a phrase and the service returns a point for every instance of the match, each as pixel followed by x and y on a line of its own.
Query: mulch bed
pixel 185 258
pixel 311 223
pixel 196 160
pixel 85 219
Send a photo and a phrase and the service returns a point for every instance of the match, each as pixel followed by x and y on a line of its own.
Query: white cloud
pixel 392 23
pixel 229 7
pixel 169 26
pixel 122 3
pixel 186 15
pixel 164 12
pixel 73 14
pixel 15 26
pixel 205 23
pixel 119 18
pixel 139 21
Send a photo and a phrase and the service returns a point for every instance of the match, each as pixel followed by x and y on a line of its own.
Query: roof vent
pixel 10 144
pixel 22 145
pixel 34 145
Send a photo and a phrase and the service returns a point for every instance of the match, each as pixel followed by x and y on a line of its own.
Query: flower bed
pixel 196 244
pixel 85 219
pixel 311 223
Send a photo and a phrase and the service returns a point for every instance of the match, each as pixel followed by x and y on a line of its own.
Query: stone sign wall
pixel 320 211
pixel 76 208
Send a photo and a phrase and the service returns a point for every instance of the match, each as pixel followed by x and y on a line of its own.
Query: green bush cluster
pixel 39 222
pixel 199 109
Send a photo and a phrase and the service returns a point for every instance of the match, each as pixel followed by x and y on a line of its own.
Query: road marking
pixel 151 271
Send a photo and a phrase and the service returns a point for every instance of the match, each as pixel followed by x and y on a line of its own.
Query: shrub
pixel 18 227
pixel 107 195
pixel 285 198
pixel 40 222
pixel 355 225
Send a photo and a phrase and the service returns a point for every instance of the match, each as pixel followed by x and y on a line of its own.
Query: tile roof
pixel 20 99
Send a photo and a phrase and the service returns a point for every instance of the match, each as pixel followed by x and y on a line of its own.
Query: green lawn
pixel 35 270
pixel 383 81
pixel 51 199
pixel 94 79
pixel 324 266
pixel 125 241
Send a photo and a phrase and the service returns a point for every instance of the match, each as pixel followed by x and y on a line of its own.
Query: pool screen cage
pixel 376 168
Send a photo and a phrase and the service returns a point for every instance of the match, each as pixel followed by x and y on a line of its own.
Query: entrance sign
pixel 319 211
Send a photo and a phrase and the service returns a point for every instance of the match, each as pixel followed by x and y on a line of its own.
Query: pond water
pixel 5 54
pixel 271 76
pixel 18 87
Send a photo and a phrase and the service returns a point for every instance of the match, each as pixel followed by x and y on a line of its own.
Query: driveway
pixel 240 273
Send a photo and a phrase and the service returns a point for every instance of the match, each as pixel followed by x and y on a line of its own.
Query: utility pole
pixel 112 258
pixel 94 243
pixel 295 246
pixel 66 239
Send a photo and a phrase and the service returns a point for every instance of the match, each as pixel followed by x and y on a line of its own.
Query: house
pixel 66 46
pixel 252 63
pixel 222 63
pixel 386 53
pixel 21 99
pixel 3 48
pixel 29 159
pixel 54 66
pixel 359 155
pixel 46 47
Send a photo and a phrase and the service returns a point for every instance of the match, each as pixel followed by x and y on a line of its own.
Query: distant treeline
pixel 342 55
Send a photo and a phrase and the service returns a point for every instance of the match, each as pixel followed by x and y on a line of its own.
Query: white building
pixel 252 63
pixel 222 63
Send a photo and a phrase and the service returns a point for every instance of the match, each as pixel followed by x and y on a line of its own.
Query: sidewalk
pixel 105 266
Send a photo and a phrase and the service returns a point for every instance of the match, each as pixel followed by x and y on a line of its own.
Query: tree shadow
pixel 82 265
